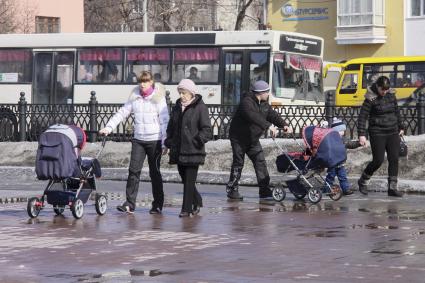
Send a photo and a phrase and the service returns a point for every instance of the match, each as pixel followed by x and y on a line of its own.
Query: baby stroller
pixel 324 148
pixel 71 178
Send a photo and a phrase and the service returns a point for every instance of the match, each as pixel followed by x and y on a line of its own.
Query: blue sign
pixel 304 14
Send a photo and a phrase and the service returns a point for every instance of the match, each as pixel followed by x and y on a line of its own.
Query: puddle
pixel 388 252
pixel 373 226
pixel 324 234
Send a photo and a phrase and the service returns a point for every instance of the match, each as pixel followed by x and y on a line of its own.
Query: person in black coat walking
pixel 380 109
pixel 187 132
pixel 252 118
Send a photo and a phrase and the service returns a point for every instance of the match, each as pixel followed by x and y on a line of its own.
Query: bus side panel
pixel 118 94
pixel 211 94
pixel 10 93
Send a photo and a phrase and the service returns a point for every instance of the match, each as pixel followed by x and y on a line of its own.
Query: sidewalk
pixel 21 177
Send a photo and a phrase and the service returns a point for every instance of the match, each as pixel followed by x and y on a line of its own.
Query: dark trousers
pixel 379 145
pixel 191 195
pixel 256 154
pixel 341 173
pixel 139 151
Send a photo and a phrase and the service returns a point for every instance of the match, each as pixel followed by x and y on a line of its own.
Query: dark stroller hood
pixel 58 153
pixel 327 147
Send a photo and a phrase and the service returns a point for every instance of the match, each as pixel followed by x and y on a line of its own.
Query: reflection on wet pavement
pixel 373 239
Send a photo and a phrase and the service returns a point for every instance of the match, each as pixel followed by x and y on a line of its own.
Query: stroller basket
pixel 299 159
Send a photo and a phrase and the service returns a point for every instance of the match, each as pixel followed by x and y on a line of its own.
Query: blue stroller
pixel 72 178
pixel 324 148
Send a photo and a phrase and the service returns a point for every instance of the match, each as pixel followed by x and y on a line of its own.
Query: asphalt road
pixel 355 239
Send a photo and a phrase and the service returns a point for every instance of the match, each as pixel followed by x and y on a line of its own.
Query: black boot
pixel 265 193
pixel 232 187
pixel 364 183
pixel 392 187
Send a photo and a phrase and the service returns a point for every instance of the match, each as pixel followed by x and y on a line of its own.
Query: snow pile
pixel 219 156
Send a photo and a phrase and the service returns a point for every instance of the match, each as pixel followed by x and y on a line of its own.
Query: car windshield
pixel 297 77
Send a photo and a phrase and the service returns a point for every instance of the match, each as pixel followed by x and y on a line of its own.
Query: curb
pixel 25 174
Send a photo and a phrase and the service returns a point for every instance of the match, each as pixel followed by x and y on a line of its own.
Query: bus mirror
pixel 325 71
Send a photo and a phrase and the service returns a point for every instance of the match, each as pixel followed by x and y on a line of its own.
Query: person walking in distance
pixel 187 132
pixel 253 117
pixel 381 111
pixel 147 102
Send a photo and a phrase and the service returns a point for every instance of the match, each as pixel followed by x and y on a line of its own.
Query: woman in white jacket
pixel 151 116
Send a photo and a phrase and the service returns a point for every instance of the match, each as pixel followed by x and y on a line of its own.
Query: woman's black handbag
pixel 403 147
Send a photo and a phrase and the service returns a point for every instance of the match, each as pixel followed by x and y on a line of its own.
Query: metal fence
pixel 25 122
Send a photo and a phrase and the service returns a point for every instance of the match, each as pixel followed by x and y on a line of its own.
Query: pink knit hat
pixel 188 85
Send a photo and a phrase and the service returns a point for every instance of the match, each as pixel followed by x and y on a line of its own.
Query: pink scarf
pixel 185 104
pixel 146 93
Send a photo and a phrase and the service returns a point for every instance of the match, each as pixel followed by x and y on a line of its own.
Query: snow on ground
pixel 219 156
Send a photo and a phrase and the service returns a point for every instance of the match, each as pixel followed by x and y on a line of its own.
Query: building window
pixel 47 24
pixel 417 8
pixel 360 12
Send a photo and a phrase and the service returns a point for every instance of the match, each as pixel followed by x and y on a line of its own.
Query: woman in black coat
pixel 381 111
pixel 187 132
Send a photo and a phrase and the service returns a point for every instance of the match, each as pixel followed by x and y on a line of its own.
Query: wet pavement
pixel 355 239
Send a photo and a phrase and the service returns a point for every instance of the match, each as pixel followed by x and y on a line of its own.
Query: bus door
pixel 53 77
pixel 241 69
pixel 349 89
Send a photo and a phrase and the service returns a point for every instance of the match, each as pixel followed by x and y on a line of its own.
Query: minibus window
pixel 197 64
pixel 155 60
pixel 15 66
pixel 349 84
pixel 100 65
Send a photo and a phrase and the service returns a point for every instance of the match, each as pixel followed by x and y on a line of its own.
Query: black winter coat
pixel 188 132
pixel 252 118
pixel 381 112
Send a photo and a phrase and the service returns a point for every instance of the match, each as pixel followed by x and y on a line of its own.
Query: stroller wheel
pixel 77 208
pixel 59 209
pixel 34 207
pixel 336 193
pixel 279 193
pixel 314 195
pixel 300 196
pixel 100 204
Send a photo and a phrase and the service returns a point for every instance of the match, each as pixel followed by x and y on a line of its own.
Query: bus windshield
pixel 297 77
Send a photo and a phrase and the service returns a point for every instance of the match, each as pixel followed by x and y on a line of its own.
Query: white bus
pixel 65 68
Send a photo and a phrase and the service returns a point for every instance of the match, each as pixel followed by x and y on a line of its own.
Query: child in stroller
pixel 71 177
pixel 323 149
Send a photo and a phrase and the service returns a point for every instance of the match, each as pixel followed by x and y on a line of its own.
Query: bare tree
pixel 17 16
pixel 8 21
pixel 26 22
pixel 243 5
pixel 111 15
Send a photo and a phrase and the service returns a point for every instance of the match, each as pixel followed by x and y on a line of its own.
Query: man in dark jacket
pixel 252 118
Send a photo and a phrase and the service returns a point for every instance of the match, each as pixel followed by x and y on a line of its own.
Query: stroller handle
pixel 102 147
pixel 292 135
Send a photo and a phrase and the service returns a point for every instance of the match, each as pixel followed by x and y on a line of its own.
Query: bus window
pixel 155 60
pixel 100 65
pixel 297 77
pixel 349 84
pixel 197 64
pixel 258 66
pixel 372 71
pixel 15 66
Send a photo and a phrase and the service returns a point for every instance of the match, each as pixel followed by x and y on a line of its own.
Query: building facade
pixel 414 30
pixel 51 16
pixel 352 28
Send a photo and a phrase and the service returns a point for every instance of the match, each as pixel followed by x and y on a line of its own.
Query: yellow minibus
pixel 406 73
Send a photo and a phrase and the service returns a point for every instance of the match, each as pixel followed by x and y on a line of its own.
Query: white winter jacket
pixel 150 115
